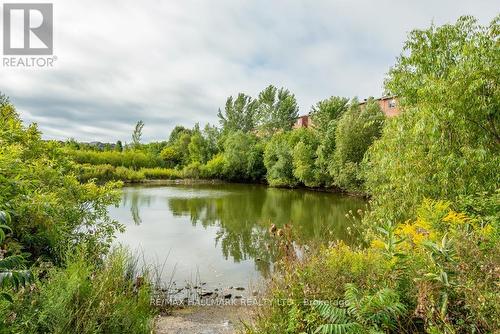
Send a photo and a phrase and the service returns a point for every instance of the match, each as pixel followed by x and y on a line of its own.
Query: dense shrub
pixel 441 266
pixel 104 173
pixel 278 160
pixel 52 214
pixel 134 159
pixel 243 157
pixel 291 159
pixel 192 171
pixel 214 169
pixel 50 209
pixel 161 173
pixel 304 155
pixel 446 143
pixel 355 132
pixel 83 297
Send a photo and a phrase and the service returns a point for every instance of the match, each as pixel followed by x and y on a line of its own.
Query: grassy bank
pixel 82 297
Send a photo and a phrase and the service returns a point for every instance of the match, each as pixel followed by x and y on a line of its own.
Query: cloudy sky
pixel 175 62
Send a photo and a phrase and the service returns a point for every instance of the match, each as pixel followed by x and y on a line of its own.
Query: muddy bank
pixel 204 320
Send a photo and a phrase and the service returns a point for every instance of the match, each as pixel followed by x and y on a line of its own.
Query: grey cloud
pixel 171 63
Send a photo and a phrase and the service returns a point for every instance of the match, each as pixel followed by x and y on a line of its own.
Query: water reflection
pixel 236 219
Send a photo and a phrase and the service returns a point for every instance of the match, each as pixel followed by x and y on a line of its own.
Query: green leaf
pixel 6 296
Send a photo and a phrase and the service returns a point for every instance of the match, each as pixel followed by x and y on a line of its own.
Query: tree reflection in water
pixel 243 214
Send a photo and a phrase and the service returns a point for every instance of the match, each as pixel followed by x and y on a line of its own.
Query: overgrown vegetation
pixel 82 297
pixel 255 143
pixel 46 216
pixel 446 143
pixel 430 259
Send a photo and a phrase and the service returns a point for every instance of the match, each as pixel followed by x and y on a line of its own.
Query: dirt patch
pixel 204 320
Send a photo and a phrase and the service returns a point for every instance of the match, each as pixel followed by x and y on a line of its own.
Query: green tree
pixel 212 139
pixel 355 132
pixel 326 112
pixel 446 143
pixel 51 210
pixel 277 109
pixel 278 159
pixel 119 146
pixel 243 157
pixel 177 132
pixel 239 114
pixel 197 147
pixel 304 155
pixel 324 116
pixel 7 110
pixel 137 134
pixel 177 153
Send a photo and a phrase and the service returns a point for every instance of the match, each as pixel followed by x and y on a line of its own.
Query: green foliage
pixel 324 275
pixel 198 147
pixel 365 313
pixel 304 157
pixel 192 171
pixel 239 114
pixel 278 160
pixel 119 146
pixel 433 273
pixel 274 110
pixel 52 214
pixel 129 158
pixel 137 134
pixel 325 113
pixel 105 173
pixel 12 267
pixel 445 144
pixel 243 157
pixel 177 132
pixel 171 156
pixel 277 110
pixel 50 209
pixel 83 297
pixel 161 173
pixel 214 168
pixel 355 132
pixel 176 154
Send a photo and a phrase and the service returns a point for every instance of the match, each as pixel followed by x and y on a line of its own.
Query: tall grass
pixel 84 297
pixel 109 173
pixel 106 173
pixel 162 173
pixel 129 159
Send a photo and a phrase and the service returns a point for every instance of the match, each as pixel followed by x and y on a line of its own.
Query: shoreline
pixel 190 181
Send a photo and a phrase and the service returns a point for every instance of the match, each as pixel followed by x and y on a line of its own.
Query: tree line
pixel 256 142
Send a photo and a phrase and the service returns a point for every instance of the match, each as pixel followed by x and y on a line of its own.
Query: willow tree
pixel 446 142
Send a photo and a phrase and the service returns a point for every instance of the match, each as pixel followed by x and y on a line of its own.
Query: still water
pixel 218 233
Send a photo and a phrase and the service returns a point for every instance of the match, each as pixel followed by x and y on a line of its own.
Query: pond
pixel 219 233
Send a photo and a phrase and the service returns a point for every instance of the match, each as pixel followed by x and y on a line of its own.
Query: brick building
pixel 388 104
pixel 302 122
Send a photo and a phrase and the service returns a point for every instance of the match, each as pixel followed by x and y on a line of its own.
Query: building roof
pixel 386 97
